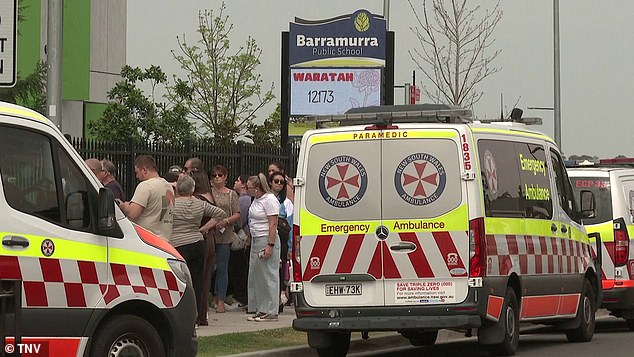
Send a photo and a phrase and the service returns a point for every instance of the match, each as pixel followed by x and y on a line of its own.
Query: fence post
pixel 130 180
pixel 241 159
pixel 188 149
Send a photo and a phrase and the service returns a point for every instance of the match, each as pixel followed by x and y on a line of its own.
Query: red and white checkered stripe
pixel 535 255
pixel 437 254
pixel 58 283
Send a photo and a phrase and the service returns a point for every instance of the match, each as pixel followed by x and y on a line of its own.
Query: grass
pixel 233 343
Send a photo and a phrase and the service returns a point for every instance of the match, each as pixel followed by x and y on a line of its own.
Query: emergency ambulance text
pixel 536 166
pixel 345 228
pixel 417 225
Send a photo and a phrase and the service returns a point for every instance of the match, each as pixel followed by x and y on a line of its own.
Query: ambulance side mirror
pixel 588 207
pixel 106 218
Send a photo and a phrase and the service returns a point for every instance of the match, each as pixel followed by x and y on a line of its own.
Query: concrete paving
pixel 235 320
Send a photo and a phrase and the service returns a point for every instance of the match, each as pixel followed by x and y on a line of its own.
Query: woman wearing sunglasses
pixel 277 180
pixel 226 199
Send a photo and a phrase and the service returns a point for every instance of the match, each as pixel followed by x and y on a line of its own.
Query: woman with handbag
pixel 187 233
pixel 277 180
pixel 202 191
pixel 239 260
pixel 265 251
pixel 226 199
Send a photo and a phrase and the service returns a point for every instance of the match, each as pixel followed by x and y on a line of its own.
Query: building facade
pixel 93 53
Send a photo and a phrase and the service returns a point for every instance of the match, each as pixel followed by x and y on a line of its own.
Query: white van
pixel 612 182
pixel 420 220
pixel 77 278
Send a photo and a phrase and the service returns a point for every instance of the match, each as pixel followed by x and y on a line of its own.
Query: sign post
pixel 8 33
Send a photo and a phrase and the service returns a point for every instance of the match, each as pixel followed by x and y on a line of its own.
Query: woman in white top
pixel 264 260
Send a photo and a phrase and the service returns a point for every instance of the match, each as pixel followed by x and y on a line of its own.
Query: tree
pixel 221 90
pixel 130 113
pixel 29 91
pixel 453 50
pixel 267 134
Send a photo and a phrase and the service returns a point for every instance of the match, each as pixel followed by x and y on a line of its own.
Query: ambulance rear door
pixel 425 220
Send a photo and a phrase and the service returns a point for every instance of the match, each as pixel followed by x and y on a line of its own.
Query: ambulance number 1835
pixel 343 289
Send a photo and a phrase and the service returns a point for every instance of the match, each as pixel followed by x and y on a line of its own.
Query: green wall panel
pixel 28 42
pixel 76 50
pixel 92 112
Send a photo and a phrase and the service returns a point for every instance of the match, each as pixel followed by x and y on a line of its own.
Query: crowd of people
pixel 197 212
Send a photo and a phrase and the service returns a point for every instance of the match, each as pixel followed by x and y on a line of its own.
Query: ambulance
pixel 418 218
pixel 77 278
pixel 612 182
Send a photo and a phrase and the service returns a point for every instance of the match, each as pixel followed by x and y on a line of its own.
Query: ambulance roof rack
pixel 387 114
pixel 615 162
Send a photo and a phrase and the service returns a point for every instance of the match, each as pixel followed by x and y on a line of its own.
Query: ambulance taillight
pixel 621 243
pixel 477 248
pixel 297 270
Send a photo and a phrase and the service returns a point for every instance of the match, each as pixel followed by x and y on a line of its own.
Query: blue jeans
pixel 223 251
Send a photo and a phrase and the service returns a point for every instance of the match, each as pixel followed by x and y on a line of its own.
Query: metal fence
pixel 239 158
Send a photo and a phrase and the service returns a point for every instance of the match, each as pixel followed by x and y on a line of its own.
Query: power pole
pixel 54 61
pixel 557 94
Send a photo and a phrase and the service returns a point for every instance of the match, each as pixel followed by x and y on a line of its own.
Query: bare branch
pixel 454 48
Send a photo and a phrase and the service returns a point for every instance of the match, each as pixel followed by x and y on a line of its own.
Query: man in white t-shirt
pixel 152 205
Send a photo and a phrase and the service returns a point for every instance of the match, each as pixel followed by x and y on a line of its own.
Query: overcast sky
pixel 597 56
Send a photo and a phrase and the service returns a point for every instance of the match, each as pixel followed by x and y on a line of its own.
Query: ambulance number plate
pixel 343 289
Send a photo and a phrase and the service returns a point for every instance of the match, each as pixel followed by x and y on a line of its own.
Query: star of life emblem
pixel 47 247
pixel 420 179
pixel 343 181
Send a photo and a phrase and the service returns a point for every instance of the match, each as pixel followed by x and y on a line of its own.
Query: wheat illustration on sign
pixel 362 22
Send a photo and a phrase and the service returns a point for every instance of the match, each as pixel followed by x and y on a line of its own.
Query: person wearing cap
pixel 172 174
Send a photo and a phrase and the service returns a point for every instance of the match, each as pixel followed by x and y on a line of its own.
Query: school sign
pixel 354 40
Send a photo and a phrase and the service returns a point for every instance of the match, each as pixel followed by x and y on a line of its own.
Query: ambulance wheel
pixel 585 313
pixel 630 324
pixel 339 345
pixel 127 335
pixel 511 323
pixel 421 338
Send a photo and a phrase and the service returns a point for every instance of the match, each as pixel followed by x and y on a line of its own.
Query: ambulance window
pixel 534 180
pixel 28 179
pixel 500 178
pixel 600 187
pixel 564 188
pixel 77 194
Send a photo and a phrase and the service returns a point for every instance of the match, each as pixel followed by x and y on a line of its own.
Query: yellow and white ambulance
pixel 77 278
pixel 421 219
pixel 612 182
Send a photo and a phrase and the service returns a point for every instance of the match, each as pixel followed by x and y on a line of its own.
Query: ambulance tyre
pixel 511 325
pixel 585 314
pixel 127 335
pixel 339 345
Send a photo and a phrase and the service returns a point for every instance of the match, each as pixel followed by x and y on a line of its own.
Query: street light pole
pixel 54 61
pixel 557 94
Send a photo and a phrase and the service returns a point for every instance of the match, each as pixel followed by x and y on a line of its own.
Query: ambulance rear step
pixel 10 304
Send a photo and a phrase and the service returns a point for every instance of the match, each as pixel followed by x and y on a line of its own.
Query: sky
pixel 596 56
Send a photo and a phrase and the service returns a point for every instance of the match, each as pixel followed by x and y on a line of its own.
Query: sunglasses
pixel 279 182
pixel 216 175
